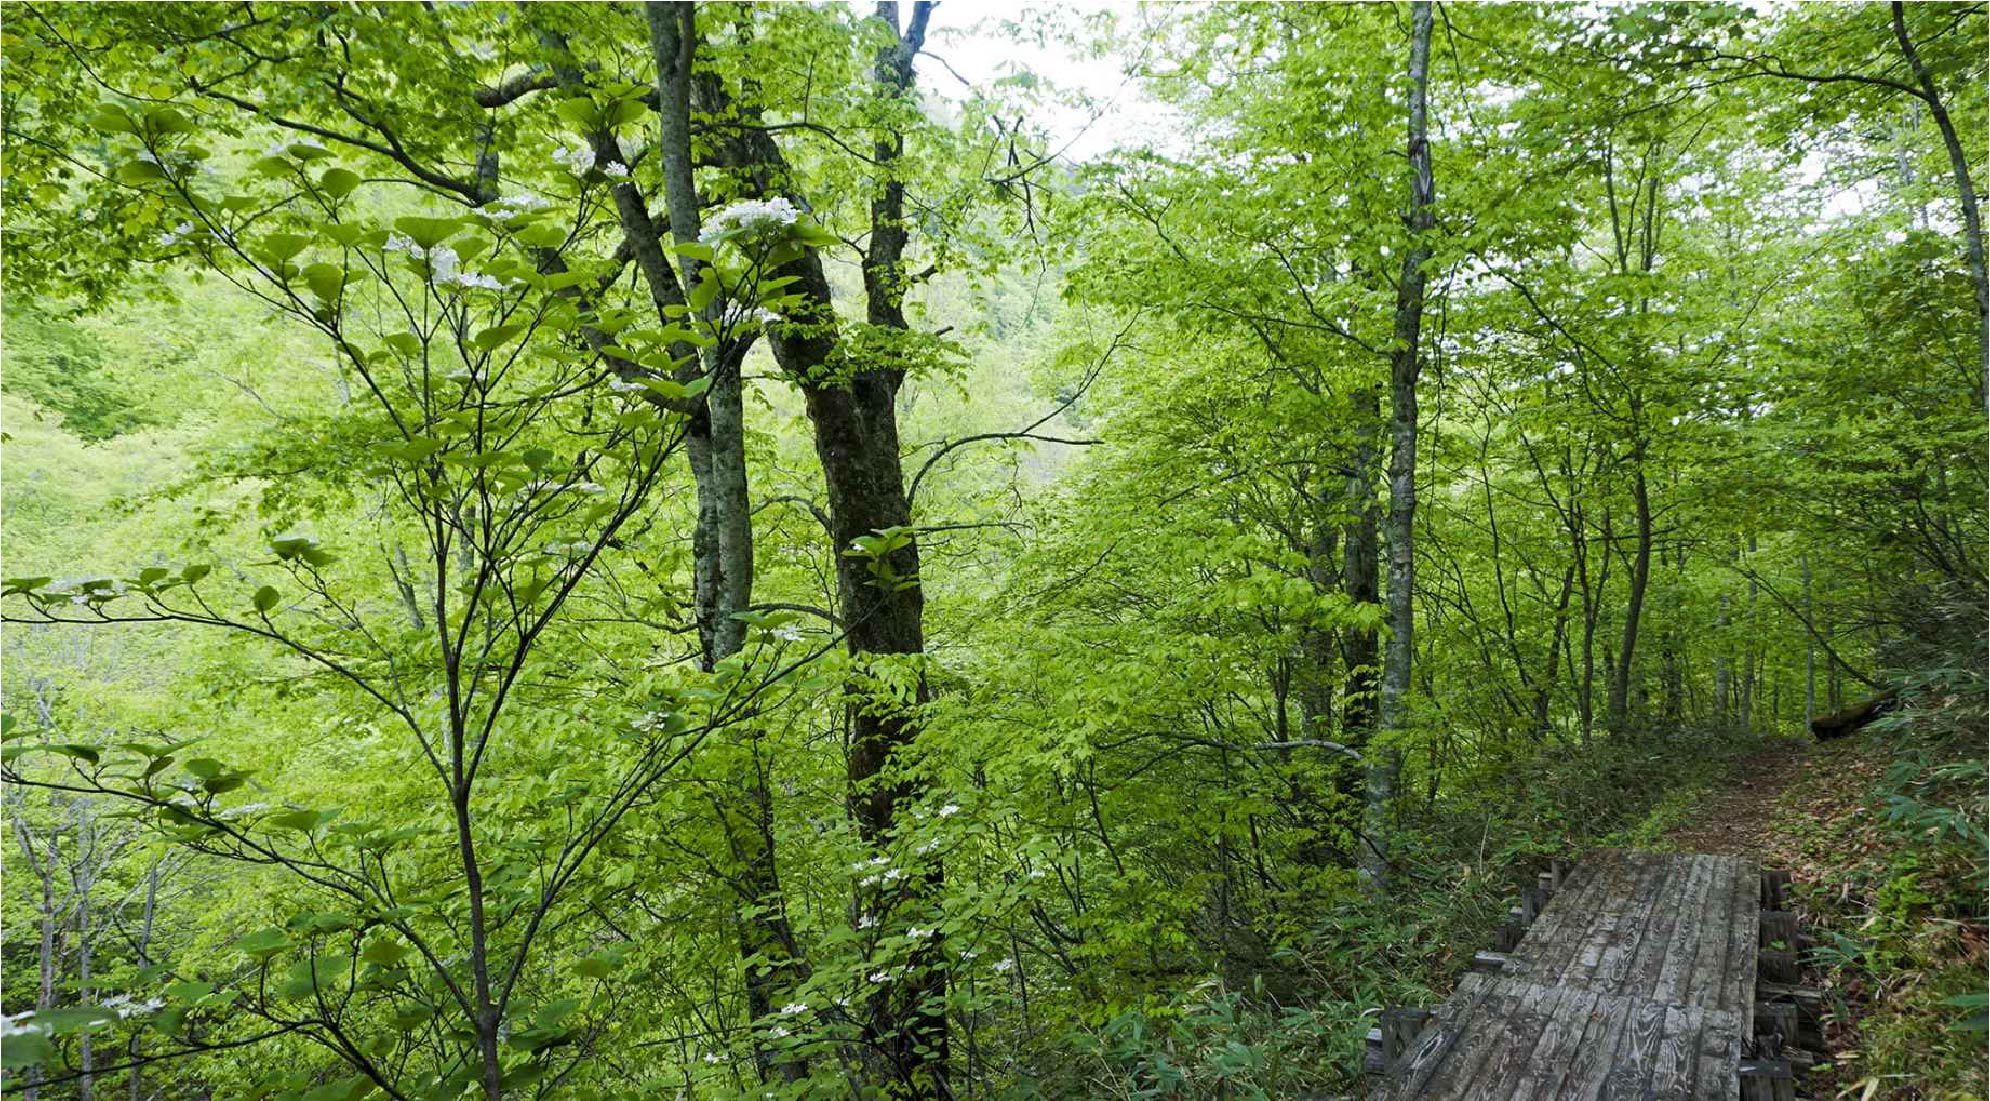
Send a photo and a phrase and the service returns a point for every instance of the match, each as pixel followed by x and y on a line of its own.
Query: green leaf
pixel 138 172
pixel 695 250
pixel 705 291
pixel 189 992
pixel 280 247
pixel 112 119
pixel 303 821
pixel 428 232
pixel 327 281
pixel 195 572
pixel 385 950
pixel 582 112
pixel 26 1048
pixel 266 598
pixel 264 943
pixel 78 750
pixel 339 182
pixel 494 336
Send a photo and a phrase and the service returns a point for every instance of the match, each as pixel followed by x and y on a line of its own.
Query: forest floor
pixel 1884 953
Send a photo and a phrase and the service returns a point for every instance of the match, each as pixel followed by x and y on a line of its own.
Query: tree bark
pixel 1972 213
pixel 850 395
pixel 1361 572
pixel 1404 365
pixel 1620 677
pixel 723 551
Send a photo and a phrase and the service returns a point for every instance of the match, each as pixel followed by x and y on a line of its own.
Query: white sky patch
pixel 982 43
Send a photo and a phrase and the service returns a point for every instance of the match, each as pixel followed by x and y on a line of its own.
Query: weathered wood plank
pixel 1631 1066
pixel 1526 1019
pixel 1738 988
pixel 1683 943
pixel 1455 1047
pixel 1719 1065
pixel 1626 985
pixel 1575 1014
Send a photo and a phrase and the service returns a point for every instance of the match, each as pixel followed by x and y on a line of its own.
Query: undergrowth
pixel 1462 870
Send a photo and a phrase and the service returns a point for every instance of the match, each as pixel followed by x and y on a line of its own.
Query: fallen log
pixel 1849 721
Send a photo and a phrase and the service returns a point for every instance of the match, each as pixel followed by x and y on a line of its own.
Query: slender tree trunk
pixel 1361 573
pixel 1750 661
pixel 723 552
pixel 1972 213
pixel 1386 760
pixel 1620 682
pixel 1315 669
pixel 1809 652
pixel 1723 657
pixel 853 411
pixel 85 876
pixel 144 953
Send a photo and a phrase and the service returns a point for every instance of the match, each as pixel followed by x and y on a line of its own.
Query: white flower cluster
pixel 444 266
pixel 1004 966
pixel 577 159
pixel 889 875
pixel 751 217
pixel 917 933
pixel 793 1008
pixel 126 1008
pixel 626 386
pixel 652 721
pixel 179 234
pixel 788 632
pixel 516 206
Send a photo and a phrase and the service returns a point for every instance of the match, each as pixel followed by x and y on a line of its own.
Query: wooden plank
pixel 1590 1066
pixel 1468 1026
pixel 1576 1014
pixel 1673 1063
pixel 1738 989
pixel 1527 1017
pixel 1682 945
pixel 1660 904
pixel 1622 988
pixel 1612 924
pixel 1631 1066
pixel 1720 1047
pixel 1705 947
pixel 1580 894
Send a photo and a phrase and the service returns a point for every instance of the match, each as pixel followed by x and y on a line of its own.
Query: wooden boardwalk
pixel 1637 980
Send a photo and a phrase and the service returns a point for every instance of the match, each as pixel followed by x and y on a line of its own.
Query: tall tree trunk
pixel 1749 652
pixel 1620 678
pixel 1361 576
pixel 1809 651
pixel 1386 760
pixel 1723 656
pixel 853 411
pixel 1972 213
pixel 723 553
pixel 144 953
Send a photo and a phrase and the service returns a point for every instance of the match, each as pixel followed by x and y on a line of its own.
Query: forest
pixel 794 550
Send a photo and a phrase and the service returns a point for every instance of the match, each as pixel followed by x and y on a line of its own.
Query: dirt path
pixel 1738 819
